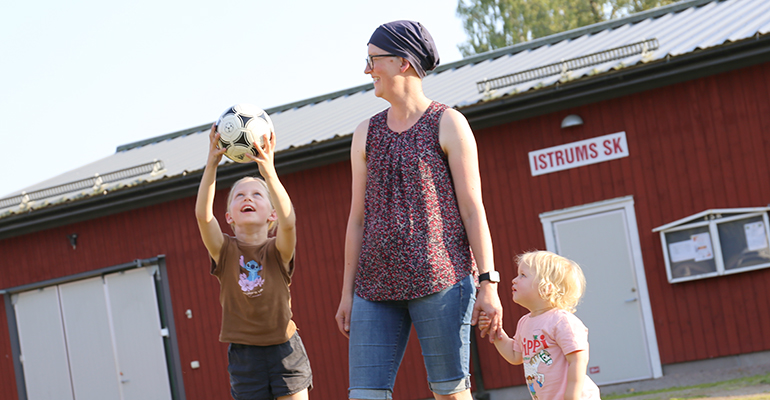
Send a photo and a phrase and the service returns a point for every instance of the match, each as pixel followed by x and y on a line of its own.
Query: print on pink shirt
pixel 535 353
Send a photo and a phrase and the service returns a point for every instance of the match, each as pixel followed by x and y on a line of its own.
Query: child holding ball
pixel 550 341
pixel 267 359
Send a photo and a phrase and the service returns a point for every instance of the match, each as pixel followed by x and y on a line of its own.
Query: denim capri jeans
pixel 379 332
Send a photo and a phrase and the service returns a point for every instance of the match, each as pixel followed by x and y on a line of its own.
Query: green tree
pixel 492 24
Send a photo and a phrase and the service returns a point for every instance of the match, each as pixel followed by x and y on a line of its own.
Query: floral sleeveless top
pixel 414 241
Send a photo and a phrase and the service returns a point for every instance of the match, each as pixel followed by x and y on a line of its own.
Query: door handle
pixel 631 300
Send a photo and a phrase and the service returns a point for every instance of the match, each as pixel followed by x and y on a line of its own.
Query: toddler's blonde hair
pixel 272 224
pixel 560 280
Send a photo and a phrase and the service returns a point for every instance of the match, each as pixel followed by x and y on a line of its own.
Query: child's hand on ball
pixel 215 153
pixel 265 158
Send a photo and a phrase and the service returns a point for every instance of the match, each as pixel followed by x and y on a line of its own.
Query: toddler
pixel 550 341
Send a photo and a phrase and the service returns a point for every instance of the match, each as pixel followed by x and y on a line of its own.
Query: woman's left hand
pixel 488 302
pixel 459 144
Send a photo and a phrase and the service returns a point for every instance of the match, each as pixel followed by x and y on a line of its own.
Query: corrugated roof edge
pixel 586 30
pixel 272 110
pixel 161 138
pixel 535 43
pixel 166 188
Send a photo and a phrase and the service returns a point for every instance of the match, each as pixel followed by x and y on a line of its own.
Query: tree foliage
pixel 492 24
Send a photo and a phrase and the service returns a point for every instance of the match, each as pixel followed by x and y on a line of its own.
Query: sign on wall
pixel 577 154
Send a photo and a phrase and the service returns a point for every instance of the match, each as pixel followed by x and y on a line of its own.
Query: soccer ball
pixel 239 127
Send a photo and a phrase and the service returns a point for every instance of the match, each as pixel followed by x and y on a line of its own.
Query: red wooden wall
pixel 322 200
pixel 693 146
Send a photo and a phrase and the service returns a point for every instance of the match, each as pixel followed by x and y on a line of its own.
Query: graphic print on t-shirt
pixel 535 353
pixel 251 283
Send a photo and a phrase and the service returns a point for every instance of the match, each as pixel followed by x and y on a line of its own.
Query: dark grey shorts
pixel 267 372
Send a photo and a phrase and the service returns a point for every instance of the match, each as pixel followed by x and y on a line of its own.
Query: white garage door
pixel 98 338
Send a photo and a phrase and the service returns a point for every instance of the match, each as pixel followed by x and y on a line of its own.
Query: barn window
pixel 716 242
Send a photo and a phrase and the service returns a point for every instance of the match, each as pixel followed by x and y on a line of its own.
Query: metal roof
pixel 679 29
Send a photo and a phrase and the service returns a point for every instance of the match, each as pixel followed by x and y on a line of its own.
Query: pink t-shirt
pixel 543 342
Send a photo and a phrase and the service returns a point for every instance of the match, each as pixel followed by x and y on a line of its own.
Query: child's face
pixel 250 204
pixel 525 290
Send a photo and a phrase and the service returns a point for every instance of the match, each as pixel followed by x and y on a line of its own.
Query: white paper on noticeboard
pixel 703 250
pixel 756 238
pixel 681 251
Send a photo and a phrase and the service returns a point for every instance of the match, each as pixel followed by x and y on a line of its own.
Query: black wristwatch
pixel 492 276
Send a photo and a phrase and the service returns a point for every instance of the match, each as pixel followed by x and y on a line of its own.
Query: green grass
pixel 701 391
pixel 750 397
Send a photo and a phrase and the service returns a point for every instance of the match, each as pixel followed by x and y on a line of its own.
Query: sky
pixel 79 78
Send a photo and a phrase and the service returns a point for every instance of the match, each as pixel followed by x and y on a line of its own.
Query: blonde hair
pixel 560 280
pixel 271 224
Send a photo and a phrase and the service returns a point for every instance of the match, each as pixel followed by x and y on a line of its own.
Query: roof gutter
pixel 173 188
pixel 623 82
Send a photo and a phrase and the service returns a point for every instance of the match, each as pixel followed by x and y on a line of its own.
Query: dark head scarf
pixel 410 40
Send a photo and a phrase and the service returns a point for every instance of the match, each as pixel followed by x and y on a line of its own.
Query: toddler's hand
pixel 484 320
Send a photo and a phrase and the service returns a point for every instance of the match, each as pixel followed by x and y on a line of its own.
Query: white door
pixel 97 338
pixel 602 238
pixel 43 351
pixel 89 340
pixel 138 338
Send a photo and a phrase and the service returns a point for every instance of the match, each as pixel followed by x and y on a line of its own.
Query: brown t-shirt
pixel 254 293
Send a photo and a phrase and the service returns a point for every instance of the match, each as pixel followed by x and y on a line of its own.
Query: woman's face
pixel 383 67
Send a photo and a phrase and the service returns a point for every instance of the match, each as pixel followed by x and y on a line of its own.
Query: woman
pixel 416 213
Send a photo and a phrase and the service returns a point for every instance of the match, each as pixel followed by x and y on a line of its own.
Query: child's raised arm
pixel 286 236
pixel 576 372
pixel 503 345
pixel 211 233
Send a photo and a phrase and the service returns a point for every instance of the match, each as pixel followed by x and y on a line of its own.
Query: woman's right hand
pixel 343 315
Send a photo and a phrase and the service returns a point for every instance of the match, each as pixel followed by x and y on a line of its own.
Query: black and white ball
pixel 239 127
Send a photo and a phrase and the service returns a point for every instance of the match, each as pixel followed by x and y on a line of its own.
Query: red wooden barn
pixel 638 147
